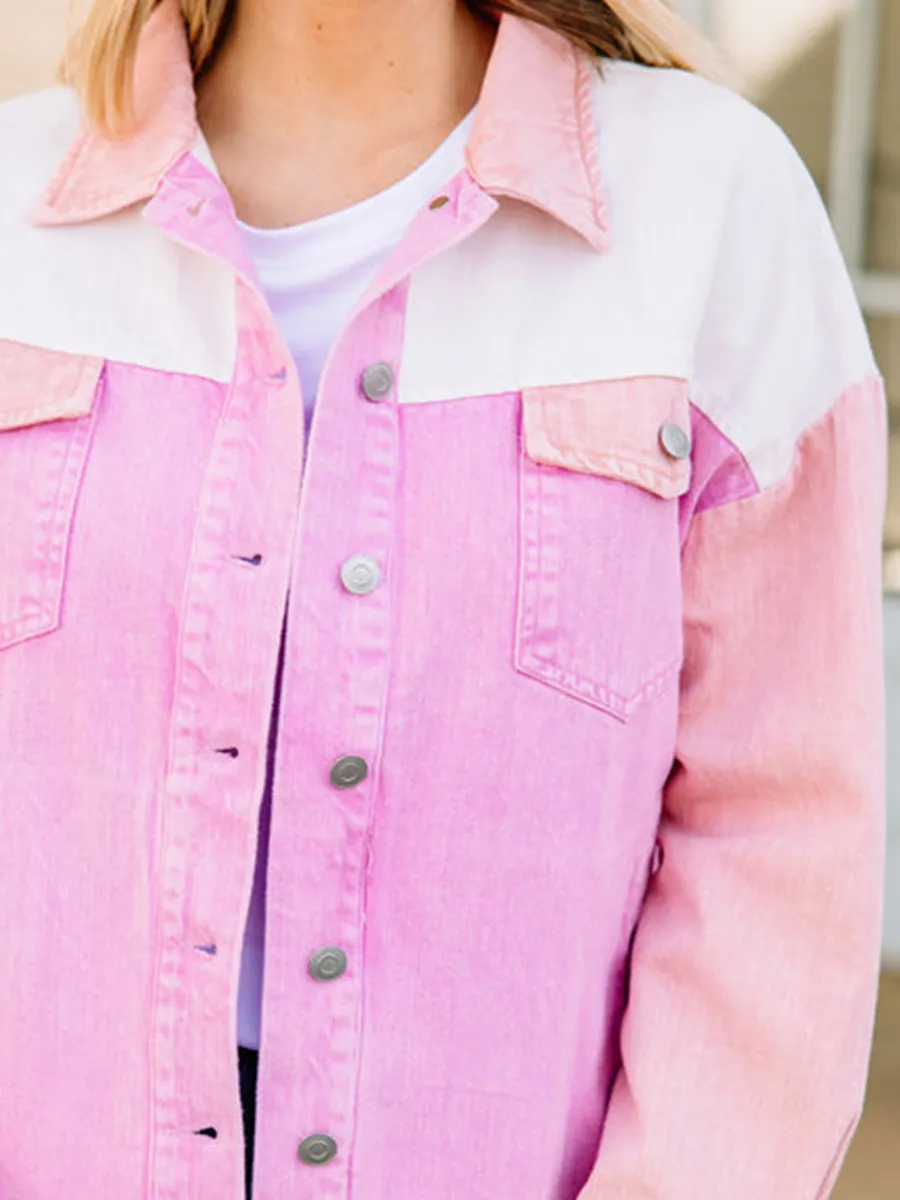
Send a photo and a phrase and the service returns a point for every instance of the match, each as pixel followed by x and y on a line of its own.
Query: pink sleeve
pixel 755 965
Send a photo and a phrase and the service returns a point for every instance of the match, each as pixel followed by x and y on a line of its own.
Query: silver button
pixel 361 575
pixel 349 771
pixel 317 1149
pixel 378 381
pixel 674 440
pixel 328 963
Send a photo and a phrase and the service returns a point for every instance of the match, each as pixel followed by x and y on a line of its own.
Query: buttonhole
pixel 231 751
pixel 209 1132
pixel 255 561
pixel 279 376
pixel 210 948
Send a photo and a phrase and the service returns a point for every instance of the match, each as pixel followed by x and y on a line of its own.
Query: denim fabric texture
pixel 585 792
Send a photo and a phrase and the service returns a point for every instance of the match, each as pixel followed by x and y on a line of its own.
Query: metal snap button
pixel 360 575
pixel 317 1149
pixel 328 963
pixel 674 440
pixel 349 771
pixel 378 381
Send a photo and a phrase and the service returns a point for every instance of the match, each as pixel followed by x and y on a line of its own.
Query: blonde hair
pixel 101 54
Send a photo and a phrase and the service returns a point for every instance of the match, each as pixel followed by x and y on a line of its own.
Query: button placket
pixel 357 429
pixel 320 1106
pixel 234 602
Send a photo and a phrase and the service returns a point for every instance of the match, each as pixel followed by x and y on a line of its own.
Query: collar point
pixel 599 237
pixel 43 214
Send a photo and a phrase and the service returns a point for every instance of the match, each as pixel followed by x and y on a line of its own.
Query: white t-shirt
pixel 312 276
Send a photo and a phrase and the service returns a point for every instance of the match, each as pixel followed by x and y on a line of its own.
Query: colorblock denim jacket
pixel 580 745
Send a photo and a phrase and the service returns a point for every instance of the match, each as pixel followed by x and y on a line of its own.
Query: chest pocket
pixel 47 405
pixel 599 605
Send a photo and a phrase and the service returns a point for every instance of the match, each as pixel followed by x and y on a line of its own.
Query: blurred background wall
pixel 31 37
pixel 793 58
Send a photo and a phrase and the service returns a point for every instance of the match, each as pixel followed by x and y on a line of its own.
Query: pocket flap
pixel 635 430
pixel 38 385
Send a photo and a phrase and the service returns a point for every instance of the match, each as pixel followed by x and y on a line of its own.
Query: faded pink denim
pixel 610 890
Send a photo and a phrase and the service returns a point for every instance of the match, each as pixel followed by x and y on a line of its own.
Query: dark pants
pixel 248 1063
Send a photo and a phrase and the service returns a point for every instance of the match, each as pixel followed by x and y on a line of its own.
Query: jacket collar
pixel 533 137
pixel 101 175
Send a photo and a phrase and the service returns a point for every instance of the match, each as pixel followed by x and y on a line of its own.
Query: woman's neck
pixel 312 105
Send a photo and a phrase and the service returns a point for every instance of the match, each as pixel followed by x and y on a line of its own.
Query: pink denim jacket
pixel 580 770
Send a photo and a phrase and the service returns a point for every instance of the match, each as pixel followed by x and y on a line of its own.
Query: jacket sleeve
pixel 754 967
